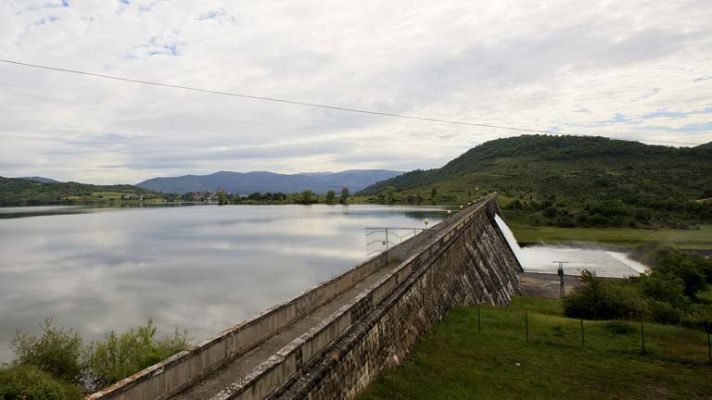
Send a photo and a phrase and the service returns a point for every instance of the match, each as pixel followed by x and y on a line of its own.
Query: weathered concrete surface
pixel 235 372
pixel 474 266
pixel 322 344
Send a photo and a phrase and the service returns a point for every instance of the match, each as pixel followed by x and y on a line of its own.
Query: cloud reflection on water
pixel 200 268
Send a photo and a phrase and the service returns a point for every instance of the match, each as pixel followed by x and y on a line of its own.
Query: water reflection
pixel 201 268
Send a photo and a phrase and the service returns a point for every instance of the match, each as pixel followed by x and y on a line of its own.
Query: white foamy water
pixel 540 259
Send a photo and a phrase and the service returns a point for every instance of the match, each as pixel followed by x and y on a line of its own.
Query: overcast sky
pixel 628 69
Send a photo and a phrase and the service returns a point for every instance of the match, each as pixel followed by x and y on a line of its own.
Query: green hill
pixel 19 192
pixel 570 181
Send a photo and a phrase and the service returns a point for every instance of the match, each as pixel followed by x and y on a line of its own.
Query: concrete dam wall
pixel 331 341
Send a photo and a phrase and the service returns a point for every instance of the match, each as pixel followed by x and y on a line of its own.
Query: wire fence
pixel 666 342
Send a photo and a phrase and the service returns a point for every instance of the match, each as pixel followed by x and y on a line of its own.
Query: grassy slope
pixel 454 361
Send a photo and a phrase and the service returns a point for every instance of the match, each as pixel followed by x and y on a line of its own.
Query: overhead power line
pixel 306 104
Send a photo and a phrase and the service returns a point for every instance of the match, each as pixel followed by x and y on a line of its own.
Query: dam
pixel 332 340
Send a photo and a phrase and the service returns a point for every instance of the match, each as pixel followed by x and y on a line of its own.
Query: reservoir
pixel 197 268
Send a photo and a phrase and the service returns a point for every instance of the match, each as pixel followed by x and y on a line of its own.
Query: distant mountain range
pixel 263 182
pixel 39 179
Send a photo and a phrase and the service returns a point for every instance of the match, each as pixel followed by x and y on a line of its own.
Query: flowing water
pixel 200 268
pixel 541 259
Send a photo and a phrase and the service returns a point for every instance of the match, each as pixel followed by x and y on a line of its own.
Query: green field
pixel 622 237
pixel 455 361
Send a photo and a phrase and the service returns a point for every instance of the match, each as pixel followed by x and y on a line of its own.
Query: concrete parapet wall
pixel 163 380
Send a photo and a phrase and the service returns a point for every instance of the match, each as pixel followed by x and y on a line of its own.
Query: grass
pixel 454 361
pixel 699 239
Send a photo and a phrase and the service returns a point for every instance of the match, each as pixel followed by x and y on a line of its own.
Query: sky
pixel 637 70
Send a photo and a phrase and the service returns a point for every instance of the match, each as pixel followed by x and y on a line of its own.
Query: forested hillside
pixel 18 192
pixel 571 181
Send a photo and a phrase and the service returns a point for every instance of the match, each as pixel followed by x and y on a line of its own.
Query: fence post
pixel 387 261
pixel 583 343
pixel 479 324
pixel 526 323
pixel 642 336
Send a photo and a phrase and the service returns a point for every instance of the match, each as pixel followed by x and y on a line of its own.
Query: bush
pixel 26 382
pixel 664 313
pixel 121 356
pixel 700 319
pixel 619 327
pixel 669 289
pixel 57 351
pixel 693 270
pixel 597 299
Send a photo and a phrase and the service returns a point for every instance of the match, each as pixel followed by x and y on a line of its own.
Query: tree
pixel 345 194
pixel 418 197
pixel 31 383
pixel 57 351
pixel 122 355
pixel 391 194
pixel 330 196
pixel 308 197
pixel 222 197
pixel 598 299
pixel 692 269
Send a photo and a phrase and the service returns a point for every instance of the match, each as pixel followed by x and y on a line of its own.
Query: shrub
pixel 693 270
pixel 57 351
pixel 669 289
pixel 26 382
pixel 700 319
pixel 664 313
pixel 121 356
pixel 619 327
pixel 596 299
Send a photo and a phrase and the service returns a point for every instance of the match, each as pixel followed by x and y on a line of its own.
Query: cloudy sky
pixel 628 69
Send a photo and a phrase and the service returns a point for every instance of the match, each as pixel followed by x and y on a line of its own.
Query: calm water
pixel 200 268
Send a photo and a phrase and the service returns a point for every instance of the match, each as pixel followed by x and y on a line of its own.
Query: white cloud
pixel 538 64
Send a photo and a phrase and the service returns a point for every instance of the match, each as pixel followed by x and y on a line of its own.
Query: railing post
pixel 642 336
pixel 387 238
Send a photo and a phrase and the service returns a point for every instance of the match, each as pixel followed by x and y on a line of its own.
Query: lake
pixel 200 268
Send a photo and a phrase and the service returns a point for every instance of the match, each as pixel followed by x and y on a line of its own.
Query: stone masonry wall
pixel 476 266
